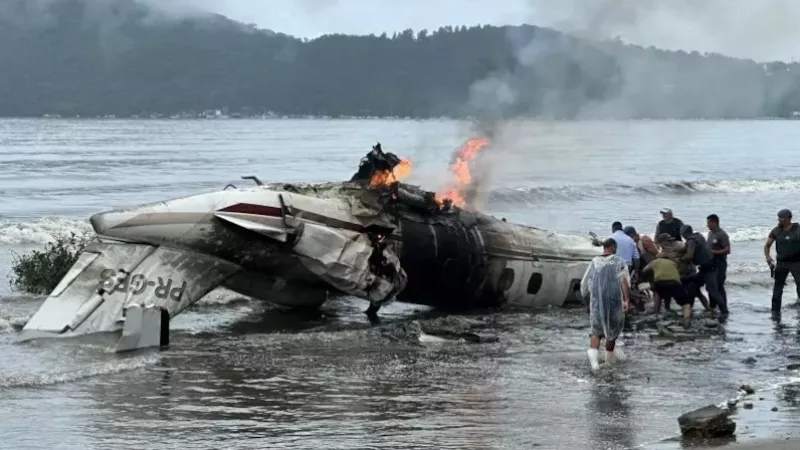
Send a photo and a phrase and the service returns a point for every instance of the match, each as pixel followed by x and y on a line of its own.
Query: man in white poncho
pixel 607 283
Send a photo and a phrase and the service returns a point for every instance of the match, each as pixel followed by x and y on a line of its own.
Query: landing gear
pixel 372 314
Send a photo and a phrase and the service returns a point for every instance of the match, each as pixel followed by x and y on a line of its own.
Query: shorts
pixel 673 289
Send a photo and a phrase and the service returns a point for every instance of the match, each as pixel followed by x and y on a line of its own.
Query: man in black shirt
pixel 669 224
pixel 786 237
pixel 720 247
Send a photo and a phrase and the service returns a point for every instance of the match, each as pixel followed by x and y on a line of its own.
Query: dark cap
pixel 608 243
pixel 686 229
pixel 629 230
pixel 784 214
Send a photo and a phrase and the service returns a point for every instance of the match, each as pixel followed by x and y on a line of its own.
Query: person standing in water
pixel 607 284
pixel 786 237
pixel 698 252
pixel 720 249
pixel 669 224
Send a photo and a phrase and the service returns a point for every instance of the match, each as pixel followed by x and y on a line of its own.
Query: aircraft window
pixel 535 283
pixel 506 280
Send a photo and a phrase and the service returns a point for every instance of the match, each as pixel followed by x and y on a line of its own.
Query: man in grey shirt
pixel 720 247
pixel 786 237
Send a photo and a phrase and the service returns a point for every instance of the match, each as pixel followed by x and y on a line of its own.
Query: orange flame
pixel 460 170
pixel 400 171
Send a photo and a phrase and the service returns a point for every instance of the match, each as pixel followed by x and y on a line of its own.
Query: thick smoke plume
pixel 645 83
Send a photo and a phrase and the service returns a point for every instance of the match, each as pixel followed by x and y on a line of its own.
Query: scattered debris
pixel 795 366
pixel 708 422
pixel 670 327
pixel 451 328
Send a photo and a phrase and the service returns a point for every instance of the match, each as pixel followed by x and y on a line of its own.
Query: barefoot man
pixel 607 283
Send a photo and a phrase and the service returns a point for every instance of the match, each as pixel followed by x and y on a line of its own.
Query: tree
pixel 61 57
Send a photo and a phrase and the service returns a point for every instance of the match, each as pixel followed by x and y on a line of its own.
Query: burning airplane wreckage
pixel 373 237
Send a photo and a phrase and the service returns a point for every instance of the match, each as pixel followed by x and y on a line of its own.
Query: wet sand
pixel 768 445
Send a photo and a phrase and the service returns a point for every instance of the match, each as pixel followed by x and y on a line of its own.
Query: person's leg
pixel 710 277
pixel 656 288
pixel 594 351
pixel 722 275
pixel 712 298
pixel 698 280
pixel 656 302
pixel 794 268
pixel 611 357
pixel 684 300
pixel 781 273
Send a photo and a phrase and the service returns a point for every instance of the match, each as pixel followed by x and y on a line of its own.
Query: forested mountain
pixel 101 57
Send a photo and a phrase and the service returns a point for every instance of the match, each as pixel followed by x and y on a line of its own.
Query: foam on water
pixel 40 231
pixel 526 194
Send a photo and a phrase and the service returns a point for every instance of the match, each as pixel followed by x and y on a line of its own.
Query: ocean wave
pixel 40 231
pixel 89 370
pixel 749 234
pixel 577 192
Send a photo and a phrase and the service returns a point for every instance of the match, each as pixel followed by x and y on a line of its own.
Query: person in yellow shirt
pixel 667 285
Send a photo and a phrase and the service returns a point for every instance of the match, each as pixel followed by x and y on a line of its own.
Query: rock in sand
pixel 708 422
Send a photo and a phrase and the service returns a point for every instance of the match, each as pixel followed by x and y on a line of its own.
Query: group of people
pixel 676 265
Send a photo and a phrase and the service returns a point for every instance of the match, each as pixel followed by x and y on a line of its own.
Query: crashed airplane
pixel 294 244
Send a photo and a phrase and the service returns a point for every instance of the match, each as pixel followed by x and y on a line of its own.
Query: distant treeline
pixel 73 57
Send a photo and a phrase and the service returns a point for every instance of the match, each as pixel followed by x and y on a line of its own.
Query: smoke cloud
pixel 646 82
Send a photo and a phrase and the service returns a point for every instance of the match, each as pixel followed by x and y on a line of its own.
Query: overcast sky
pixel 760 29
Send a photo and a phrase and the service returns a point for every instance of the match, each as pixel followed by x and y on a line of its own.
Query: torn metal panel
pixel 342 258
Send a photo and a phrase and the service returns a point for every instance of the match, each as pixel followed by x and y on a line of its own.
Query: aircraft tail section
pixel 108 278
